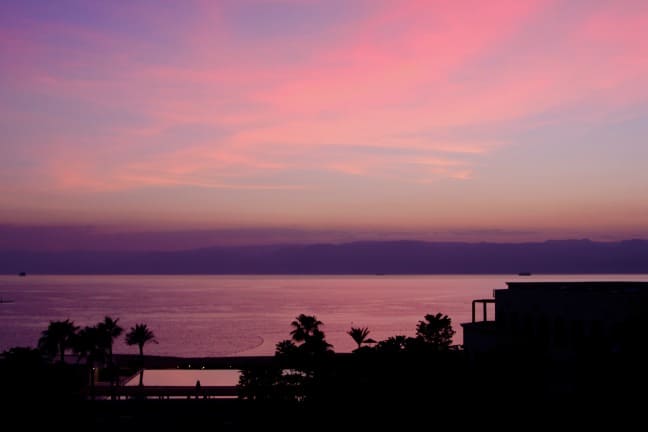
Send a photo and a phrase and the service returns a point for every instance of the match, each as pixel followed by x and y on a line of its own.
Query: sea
pixel 243 315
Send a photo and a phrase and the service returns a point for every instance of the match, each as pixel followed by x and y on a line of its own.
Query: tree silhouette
pixel 302 368
pixel 57 338
pixel 394 344
pixel 88 345
pixel 436 331
pixel 140 335
pixel 23 369
pixel 108 330
pixel 260 383
pixel 304 327
pixel 25 357
pixel 285 348
pixel 308 336
pixel 359 335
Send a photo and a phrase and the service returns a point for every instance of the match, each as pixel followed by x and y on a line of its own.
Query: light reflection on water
pixel 244 315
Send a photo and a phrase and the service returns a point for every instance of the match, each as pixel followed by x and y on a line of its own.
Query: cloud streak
pixel 415 95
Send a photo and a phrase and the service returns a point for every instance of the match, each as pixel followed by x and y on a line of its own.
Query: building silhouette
pixel 560 319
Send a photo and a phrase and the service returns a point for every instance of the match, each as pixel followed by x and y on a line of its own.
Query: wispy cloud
pixel 210 96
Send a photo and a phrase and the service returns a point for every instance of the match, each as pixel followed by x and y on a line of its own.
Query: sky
pixel 204 122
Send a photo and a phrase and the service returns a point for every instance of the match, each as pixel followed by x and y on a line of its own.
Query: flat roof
pixel 604 286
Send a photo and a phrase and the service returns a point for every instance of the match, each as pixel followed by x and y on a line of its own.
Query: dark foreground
pixel 391 392
pixel 485 412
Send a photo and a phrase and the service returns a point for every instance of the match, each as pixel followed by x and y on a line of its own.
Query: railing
pixel 165 392
pixel 484 303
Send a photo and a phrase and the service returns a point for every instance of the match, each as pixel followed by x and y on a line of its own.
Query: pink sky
pixel 498 121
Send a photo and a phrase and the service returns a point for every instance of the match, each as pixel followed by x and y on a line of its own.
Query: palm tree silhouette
pixel 58 338
pixel 305 327
pixel 108 330
pixel 88 345
pixel 140 335
pixel 309 339
pixel 359 335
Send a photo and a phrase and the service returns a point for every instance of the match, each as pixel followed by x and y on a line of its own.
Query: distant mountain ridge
pixel 368 257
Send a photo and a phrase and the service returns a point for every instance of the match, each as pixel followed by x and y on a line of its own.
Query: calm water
pixel 243 315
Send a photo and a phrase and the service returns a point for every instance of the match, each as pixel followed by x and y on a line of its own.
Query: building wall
pixel 565 318
pixel 479 337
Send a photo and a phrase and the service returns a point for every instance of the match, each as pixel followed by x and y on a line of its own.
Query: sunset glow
pixel 327 120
